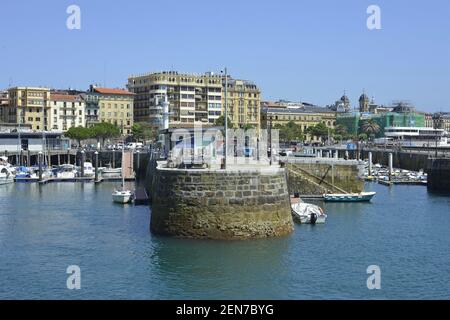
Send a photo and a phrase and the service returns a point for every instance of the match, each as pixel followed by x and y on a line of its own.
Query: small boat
pixel 6 175
pixel 349 197
pixel 66 171
pixel 122 195
pixel 89 170
pixel 308 213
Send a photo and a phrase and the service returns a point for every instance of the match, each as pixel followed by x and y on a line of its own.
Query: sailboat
pixel 122 195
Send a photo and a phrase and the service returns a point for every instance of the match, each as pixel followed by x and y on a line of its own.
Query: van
pixel 134 145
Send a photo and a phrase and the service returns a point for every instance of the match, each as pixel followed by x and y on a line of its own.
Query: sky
pixel 296 50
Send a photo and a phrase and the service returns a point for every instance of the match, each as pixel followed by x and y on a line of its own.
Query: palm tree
pixel 370 127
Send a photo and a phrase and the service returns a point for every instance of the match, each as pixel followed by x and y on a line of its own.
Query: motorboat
pixel 6 171
pixel 349 197
pixel 308 213
pixel 89 170
pixel 66 171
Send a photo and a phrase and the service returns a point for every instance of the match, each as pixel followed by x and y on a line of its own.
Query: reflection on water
pixel 44 229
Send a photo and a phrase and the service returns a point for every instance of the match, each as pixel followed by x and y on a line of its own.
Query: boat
pixel 66 171
pixel 308 213
pixel 122 195
pixel 89 170
pixel 349 197
pixel 6 171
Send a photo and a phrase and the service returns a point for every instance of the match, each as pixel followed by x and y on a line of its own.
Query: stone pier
pixel 227 204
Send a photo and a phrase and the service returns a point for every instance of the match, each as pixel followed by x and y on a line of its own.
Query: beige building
pixel 244 103
pixel 4 104
pixel 114 106
pixel 193 98
pixel 304 115
pixel 29 105
pixel 66 111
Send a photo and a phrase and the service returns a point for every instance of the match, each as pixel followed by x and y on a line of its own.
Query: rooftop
pixel 112 91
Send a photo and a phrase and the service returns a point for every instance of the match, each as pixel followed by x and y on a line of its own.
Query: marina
pixel 403 230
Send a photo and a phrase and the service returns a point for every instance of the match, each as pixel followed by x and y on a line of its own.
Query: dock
pixel 140 197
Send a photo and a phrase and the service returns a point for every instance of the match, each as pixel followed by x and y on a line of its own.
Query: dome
pixel 345 99
pixel 364 97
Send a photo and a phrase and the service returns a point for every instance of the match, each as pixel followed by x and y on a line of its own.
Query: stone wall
pixel 344 174
pixel 439 175
pixel 218 204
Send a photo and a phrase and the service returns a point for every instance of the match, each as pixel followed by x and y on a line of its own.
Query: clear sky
pixel 297 50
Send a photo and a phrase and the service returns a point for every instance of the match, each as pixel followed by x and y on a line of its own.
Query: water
pixel 43 230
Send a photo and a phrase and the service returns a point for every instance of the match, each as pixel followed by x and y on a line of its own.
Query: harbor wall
pixel 321 174
pixel 402 159
pixel 439 175
pixel 219 204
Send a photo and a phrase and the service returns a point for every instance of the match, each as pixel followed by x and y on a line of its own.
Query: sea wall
pixel 219 204
pixel 439 175
pixel 317 176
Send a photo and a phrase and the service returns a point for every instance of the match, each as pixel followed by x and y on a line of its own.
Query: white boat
pixel 308 213
pixel 122 195
pixel 67 171
pixel 349 197
pixel 89 170
pixel 6 171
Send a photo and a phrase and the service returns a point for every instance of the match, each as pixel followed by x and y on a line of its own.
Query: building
pixel 364 104
pixel 66 111
pixel 110 105
pixel 194 98
pixel 29 105
pixel 353 121
pixel 33 141
pixel 341 105
pixel 4 103
pixel 441 120
pixel 244 103
pixel 304 115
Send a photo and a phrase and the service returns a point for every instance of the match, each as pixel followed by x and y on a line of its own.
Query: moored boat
pixel 308 213
pixel 349 197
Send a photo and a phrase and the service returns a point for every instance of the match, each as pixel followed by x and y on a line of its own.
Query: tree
pixel 78 133
pixel 220 122
pixel 143 131
pixel 341 130
pixel 362 137
pixel 370 127
pixel 290 132
pixel 320 130
pixel 104 130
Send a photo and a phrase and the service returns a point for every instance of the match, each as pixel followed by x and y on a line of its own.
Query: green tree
pixel 290 132
pixel 362 137
pixel 370 127
pixel 220 122
pixel 104 130
pixel 79 134
pixel 142 131
pixel 320 130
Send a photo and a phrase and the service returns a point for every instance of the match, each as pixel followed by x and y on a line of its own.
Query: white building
pixel 66 111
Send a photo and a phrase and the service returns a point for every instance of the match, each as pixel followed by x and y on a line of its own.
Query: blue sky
pixel 297 50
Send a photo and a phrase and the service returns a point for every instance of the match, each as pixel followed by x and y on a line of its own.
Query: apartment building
pixel 66 111
pixel 191 97
pixel 4 104
pixel 110 105
pixel 244 103
pixel 194 98
pixel 29 105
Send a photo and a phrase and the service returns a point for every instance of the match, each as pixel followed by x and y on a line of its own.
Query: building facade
pixel 193 98
pixel 4 103
pixel 66 111
pixel 243 103
pixel 305 116
pixel 110 105
pixel 29 105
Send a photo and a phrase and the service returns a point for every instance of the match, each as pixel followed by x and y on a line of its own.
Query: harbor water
pixel 44 229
